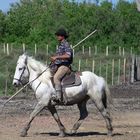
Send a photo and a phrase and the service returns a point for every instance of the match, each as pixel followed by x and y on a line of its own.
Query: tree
pixel 35 21
pixel 2 26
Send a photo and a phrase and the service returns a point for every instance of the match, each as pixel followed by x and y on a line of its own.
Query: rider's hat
pixel 62 32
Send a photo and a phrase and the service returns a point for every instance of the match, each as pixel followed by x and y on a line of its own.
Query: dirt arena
pixel 126 118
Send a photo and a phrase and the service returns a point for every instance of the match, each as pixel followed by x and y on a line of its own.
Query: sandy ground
pixel 126 119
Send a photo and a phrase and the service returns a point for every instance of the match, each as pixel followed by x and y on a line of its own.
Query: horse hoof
pixel 23 133
pixel 73 132
pixel 110 134
pixel 62 134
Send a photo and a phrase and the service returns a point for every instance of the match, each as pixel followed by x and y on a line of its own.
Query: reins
pixel 24 87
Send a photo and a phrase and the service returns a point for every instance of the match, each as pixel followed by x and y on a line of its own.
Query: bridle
pixel 24 68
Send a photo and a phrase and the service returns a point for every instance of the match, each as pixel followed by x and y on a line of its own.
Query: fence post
pixel 100 68
pixel 107 51
pixel 95 50
pixel 4 48
pixel 132 69
pixel 8 49
pixel 89 51
pixel 137 77
pixel 119 72
pixel 83 49
pixel 47 49
pixel 35 49
pixel 112 71
pixel 73 52
pixel 120 51
pixel 79 66
pixel 93 66
pixel 56 47
pixel 23 47
pixel 11 48
pixel 123 51
pixel 124 70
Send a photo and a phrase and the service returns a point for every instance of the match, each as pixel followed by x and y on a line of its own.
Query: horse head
pixel 21 71
pixel 26 67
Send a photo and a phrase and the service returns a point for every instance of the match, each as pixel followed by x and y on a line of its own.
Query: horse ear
pixel 26 59
pixel 25 53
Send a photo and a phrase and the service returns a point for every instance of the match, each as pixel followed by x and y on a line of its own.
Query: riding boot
pixel 57 97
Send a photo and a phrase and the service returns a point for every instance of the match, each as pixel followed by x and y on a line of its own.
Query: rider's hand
pixel 53 58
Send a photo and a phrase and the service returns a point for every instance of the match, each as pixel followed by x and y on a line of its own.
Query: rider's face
pixel 60 38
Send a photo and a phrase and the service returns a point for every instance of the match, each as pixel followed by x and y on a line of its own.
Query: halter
pixel 19 80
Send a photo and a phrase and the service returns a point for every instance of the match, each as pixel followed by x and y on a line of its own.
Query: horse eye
pixel 20 68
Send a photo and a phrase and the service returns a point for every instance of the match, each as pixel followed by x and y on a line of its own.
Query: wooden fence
pixel 7 48
pixel 119 69
pixel 115 72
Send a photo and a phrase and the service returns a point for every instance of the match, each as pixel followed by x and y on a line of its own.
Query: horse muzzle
pixel 16 83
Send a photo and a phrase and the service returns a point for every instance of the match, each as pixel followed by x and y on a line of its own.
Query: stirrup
pixel 53 102
pixel 54 97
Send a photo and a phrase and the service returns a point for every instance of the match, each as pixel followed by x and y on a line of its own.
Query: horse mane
pixel 39 68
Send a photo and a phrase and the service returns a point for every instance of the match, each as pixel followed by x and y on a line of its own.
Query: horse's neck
pixel 36 81
pixel 33 77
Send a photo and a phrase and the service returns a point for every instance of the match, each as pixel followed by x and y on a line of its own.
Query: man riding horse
pixel 62 61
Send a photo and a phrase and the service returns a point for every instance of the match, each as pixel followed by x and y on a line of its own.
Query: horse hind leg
pixel 106 113
pixel 101 104
pixel 83 114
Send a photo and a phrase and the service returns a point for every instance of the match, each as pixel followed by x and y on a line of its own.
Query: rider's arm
pixel 64 56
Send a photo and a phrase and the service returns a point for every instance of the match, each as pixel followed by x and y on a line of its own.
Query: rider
pixel 62 59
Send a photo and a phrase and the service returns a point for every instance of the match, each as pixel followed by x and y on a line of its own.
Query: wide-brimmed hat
pixel 62 32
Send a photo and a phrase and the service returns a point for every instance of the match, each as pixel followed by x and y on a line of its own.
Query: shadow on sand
pixel 80 134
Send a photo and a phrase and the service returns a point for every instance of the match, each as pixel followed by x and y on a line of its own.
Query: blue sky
pixel 5 4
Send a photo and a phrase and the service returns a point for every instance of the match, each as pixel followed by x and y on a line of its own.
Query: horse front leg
pixel 55 115
pixel 37 109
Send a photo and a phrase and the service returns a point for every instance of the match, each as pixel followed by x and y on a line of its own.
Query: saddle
pixel 72 79
pixel 69 80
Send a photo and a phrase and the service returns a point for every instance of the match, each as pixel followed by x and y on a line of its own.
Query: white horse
pixel 93 87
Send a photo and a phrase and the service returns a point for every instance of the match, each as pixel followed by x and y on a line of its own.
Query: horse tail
pixel 109 101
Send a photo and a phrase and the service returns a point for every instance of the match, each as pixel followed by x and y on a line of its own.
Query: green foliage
pixel 2 25
pixel 35 21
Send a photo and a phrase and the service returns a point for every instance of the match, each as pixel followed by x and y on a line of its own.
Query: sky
pixel 5 4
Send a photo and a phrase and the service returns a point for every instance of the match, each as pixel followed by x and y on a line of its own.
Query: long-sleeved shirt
pixel 64 48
